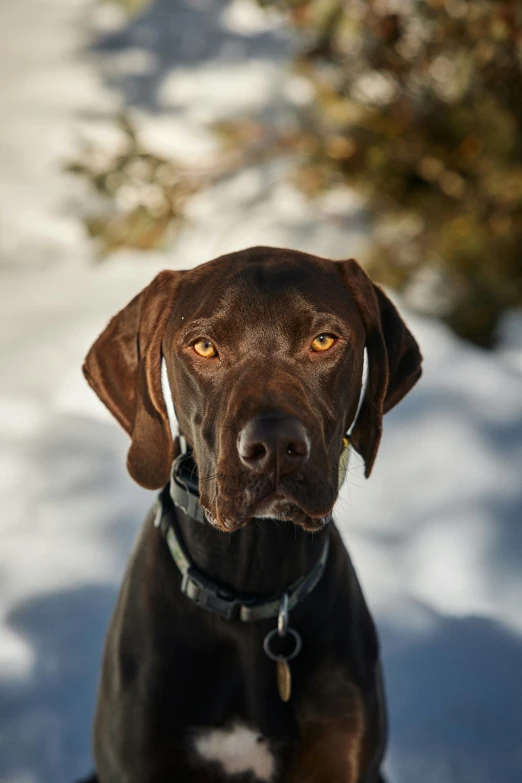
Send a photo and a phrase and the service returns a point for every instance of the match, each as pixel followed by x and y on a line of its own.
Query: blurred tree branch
pixel 417 105
pixel 414 104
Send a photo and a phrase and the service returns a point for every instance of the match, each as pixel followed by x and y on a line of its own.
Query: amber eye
pixel 205 348
pixel 323 342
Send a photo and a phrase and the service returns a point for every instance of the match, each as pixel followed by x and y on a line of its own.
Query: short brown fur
pixel 171 668
pixel 332 724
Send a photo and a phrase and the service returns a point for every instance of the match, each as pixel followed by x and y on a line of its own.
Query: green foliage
pixel 418 106
pixel 143 194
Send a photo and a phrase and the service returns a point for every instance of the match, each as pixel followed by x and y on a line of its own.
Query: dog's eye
pixel 323 342
pixel 205 348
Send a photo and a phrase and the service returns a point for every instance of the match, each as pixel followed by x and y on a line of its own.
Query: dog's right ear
pixel 124 369
pixel 393 355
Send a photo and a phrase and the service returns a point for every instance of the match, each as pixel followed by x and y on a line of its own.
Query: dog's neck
pixel 264 558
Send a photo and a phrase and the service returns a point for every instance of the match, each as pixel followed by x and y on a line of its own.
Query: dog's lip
pixel 279 494
pixel 309 520
pixel 317 520
pixel 210 516
pixel 225 526
pixel 273 497
pixel 289 497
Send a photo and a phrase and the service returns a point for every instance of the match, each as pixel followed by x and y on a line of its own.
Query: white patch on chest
pixel 238 749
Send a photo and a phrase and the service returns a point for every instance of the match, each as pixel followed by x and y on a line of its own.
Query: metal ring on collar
pixel 298 644
pixel 282 618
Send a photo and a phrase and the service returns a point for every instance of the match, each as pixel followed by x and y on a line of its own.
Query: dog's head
pixel 264 357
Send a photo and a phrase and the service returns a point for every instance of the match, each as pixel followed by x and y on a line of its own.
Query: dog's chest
pixel 236 750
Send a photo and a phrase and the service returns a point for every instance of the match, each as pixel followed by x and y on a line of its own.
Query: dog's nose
pixel 273 444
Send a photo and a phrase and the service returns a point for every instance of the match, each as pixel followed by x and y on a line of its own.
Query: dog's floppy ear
pixel 124 369
pixel 394 360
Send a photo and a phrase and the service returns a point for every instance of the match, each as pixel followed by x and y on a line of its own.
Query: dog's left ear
pixel 394 359
pixel 124 369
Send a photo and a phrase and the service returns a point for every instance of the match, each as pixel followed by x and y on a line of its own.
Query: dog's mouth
pixel 279 505
pixel 282 506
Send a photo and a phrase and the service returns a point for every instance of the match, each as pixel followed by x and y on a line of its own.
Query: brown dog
pixel 262 354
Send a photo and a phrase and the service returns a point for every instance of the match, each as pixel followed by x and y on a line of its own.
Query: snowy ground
pixel 436 534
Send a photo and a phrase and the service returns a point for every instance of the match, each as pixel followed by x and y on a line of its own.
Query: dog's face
pixel 264 358
pixel 264 355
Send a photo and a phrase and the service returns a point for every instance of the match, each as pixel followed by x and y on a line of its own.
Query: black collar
pixel 183 492
pixel 184 488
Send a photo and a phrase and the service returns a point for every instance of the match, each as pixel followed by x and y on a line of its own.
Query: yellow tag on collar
pixel 343 462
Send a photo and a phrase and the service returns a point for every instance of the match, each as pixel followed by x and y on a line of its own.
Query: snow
pixel 436 533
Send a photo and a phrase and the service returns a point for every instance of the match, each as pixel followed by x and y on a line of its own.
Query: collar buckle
pixel 184 489
pixel 210 596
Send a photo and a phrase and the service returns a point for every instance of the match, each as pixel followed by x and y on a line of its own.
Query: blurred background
pixel 143 134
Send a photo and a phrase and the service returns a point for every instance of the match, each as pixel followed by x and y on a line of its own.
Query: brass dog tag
pixel 284 679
